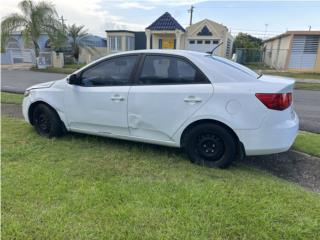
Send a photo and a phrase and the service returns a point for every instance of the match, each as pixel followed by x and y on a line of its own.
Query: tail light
pixel 275 101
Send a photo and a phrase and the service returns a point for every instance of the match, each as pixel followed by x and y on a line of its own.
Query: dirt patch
pixel 11 110
pixel 294 166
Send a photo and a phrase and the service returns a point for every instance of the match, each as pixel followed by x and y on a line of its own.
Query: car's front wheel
pixel 210 145
pixel 46 121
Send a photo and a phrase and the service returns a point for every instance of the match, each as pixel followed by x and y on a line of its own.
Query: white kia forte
pixel 211 107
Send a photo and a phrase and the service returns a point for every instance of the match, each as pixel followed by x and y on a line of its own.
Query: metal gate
pixel 21 55
pixel 304 52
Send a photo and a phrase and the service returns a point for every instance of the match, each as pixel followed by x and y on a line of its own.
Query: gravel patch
pixel 293 166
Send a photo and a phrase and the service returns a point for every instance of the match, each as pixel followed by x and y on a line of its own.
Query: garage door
pixel 304 52
pixel 201 45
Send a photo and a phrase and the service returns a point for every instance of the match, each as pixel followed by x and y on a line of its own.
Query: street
pixel 306 103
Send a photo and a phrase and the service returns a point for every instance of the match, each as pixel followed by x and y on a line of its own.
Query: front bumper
pixel 270 138
pixel 25 107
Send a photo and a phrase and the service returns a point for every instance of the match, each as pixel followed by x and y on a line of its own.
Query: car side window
pixel 112 72
pixel 160 70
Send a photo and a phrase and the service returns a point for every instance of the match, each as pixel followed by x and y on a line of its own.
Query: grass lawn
pixel 301 75
pixel 11 98
pixel 82 187
pixel 307 86
pixel 68 69
pixel 308 142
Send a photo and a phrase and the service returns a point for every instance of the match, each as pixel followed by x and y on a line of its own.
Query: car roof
pixel 185 53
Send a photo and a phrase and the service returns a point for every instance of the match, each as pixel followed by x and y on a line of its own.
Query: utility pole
pixel 62 22
pixel 309 28
pixel 265 30
pixel 191 13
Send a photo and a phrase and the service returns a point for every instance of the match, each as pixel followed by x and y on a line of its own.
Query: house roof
pixel 165 22
pixel 119 31
pixel 293 33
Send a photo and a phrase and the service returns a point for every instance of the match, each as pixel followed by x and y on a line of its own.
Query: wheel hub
pixel 210 146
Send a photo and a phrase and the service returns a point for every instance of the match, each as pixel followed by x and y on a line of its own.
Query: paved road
pixel 20 80
pixel 307 103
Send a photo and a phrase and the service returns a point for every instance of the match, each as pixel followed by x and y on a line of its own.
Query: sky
pixel 260 18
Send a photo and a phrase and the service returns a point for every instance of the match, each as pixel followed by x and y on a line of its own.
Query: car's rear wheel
pixel 210 145
pixel 47 122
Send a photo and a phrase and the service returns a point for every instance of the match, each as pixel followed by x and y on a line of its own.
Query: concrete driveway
pixel 307 103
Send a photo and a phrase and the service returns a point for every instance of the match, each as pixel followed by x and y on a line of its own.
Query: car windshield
pixel 234 65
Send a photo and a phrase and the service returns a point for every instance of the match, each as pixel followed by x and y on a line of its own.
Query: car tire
pixel 47 122
pixel 210 145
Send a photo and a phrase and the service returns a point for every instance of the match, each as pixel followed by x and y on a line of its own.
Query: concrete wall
pixel 276 52
pixel 88 55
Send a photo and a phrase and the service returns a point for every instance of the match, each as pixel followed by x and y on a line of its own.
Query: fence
pixel 275 58
pixel 17 55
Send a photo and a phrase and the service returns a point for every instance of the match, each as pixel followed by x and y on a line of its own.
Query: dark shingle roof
pixel 165 22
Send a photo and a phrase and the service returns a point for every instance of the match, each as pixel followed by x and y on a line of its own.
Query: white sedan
pixel 211 107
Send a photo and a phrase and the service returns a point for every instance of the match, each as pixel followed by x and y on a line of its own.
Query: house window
pixel 229 47
pixel 215 41
pixel 199 42
pixel 130 43
pixel 115 43
pixel 207 41
pixel 191 41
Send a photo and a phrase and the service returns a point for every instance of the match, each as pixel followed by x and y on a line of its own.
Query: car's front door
pixel 168 91
pixel 99 104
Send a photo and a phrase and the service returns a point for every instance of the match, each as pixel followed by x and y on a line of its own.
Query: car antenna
pixel 212 51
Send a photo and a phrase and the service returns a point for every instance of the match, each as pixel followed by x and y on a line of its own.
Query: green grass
pixel 302 75
pixel 258 66
pixel 82 187
pixel 270 71
pixel 307 86
pixel 67 69
pixel 308 142
pixel 11 98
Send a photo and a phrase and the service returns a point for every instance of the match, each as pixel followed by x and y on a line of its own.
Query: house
pixel 167 33
pixel 293 51
pixel 17 51
pixel 202 36
pixel 124 40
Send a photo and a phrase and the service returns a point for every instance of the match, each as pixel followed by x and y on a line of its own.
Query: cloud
pixel 96 15
pixel 126 5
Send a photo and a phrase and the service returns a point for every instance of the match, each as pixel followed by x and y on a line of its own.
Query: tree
pixel 36 18
pixel 76 33
pixel 244 40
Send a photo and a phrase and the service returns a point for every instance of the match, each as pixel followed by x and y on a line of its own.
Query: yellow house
pixel 293 51
pixel 203 36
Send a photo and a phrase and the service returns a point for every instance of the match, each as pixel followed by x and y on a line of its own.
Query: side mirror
pixel 74 80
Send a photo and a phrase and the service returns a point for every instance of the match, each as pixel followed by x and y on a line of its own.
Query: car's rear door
pixel 99 104
pixel 168 90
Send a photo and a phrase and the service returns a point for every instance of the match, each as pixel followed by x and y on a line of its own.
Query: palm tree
pixel 36 18
pixel 76 33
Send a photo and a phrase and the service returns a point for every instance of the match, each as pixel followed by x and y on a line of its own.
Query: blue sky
pixel 250 17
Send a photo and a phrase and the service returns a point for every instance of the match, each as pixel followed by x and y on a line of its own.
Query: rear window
pixel 234 65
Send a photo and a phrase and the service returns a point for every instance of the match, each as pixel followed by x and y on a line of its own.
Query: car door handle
pixel 192 99
pixel 117 98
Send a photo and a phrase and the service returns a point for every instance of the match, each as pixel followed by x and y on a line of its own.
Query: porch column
pixel 178 38
pixel 148 35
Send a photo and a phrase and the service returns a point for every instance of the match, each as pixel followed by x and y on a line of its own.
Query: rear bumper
pixel 270 138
